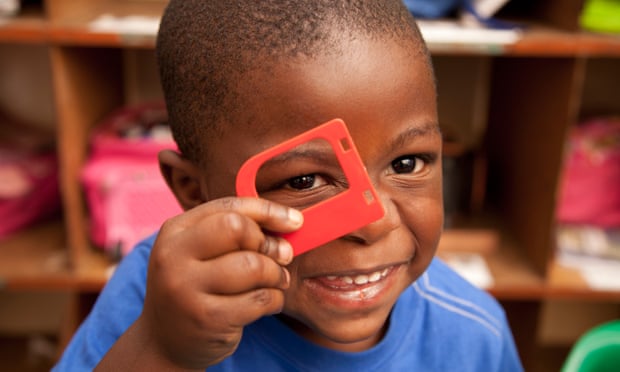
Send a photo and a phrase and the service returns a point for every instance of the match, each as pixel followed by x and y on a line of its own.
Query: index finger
pixel 267 214
pixel 231 224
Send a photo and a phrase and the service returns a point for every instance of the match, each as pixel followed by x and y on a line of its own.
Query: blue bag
pixel 432 8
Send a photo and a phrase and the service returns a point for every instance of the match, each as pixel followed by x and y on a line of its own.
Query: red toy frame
pixel 332 218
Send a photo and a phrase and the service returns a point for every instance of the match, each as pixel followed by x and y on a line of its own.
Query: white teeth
pixel 362 278
pixel 374 277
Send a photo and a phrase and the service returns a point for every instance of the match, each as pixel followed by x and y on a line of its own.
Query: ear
pixel 182 177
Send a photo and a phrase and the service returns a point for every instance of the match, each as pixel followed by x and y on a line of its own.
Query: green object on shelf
pixel 601 16
pixel 598 350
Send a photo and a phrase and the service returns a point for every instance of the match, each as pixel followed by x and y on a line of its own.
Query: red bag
pixel 29 188
pixel 590 185
pixel 127 196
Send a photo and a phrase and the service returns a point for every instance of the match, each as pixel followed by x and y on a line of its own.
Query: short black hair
pixel 204 47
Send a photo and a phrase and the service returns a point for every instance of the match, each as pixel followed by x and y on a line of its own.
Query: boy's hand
pixel 212 271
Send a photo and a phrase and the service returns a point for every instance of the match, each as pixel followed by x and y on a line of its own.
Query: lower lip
pixel 353 296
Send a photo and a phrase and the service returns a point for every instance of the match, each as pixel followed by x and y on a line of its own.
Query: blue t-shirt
pixel 439 323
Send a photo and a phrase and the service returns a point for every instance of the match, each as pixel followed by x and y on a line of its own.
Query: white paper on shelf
pixel 454 32
pixel 471 266
pixel 134 25
pixel 599 273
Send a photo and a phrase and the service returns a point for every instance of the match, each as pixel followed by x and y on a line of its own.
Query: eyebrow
pixel 318 156
pixel 322 156
pixel 414 132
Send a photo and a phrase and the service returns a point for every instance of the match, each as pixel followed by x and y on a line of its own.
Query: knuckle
pixel 216 321
pixel 159 260
pixel 235 226
pixel 270 300
pixel 234 223
pixel 272 210
pixel 252 263
pixel 166 227
pixel 267 209
pixel 268 246
pixel 263 297
pixel 230 203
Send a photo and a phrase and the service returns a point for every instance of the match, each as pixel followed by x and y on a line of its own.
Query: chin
pixel 359 336
pixel 349 335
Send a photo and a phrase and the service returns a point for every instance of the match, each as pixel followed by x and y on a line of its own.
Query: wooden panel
pixel 77 309
pixel 557 13
pixel 463 89
pixel 26 95
pixel 532 107
pixel 31 312
pixel 523 320
pixel 35 258
pixel 141 76
pixel 87 87
pixel 563 322
pixel 564 14
pixel 600 90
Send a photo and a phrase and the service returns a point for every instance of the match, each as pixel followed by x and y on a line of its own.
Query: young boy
pixel 213 289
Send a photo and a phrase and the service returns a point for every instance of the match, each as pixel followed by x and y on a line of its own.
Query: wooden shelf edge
pixel 43 33
pixel 537 41
pixel 30 30
pixel 69 36
pixel 554 43
pixel 514 278
pixel 37 258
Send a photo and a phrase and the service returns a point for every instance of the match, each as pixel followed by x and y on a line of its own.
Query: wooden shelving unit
pixel 526 96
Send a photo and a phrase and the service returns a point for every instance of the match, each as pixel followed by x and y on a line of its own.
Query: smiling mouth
pixel 353 281
pixel 352 289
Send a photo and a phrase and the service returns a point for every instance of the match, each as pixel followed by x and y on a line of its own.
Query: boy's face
pixel 385 94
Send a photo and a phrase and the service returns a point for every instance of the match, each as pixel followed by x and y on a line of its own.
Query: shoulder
pixel 448 294
pixel 448 313
pixel 130 273
pixel 117 307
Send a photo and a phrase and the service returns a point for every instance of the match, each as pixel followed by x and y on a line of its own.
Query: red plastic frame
pixel 330 219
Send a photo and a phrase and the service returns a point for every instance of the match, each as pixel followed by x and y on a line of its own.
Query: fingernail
pixel 285 251
pixel 287 277
pixel 295 216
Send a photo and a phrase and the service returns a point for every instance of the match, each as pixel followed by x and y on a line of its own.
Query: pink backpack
pixel 590 186
pixel 29 188
pixel 127 196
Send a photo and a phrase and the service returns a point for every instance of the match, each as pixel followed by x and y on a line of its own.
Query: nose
pixel 380 228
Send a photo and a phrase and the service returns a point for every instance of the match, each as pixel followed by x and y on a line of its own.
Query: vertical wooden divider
pixel 86 88
pixel 532 107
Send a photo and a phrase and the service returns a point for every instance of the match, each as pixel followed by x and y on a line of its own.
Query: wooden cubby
pixel 513 105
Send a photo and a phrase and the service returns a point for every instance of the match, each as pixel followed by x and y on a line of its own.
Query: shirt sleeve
pixel 118 306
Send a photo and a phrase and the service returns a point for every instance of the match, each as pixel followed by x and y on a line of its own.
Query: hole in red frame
pixel 345 144
pixel 304 176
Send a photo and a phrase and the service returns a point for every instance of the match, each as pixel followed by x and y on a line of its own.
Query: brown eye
pixel 302 182
pixel 407 164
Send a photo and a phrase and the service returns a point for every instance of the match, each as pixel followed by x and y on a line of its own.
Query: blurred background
pixel 529 107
